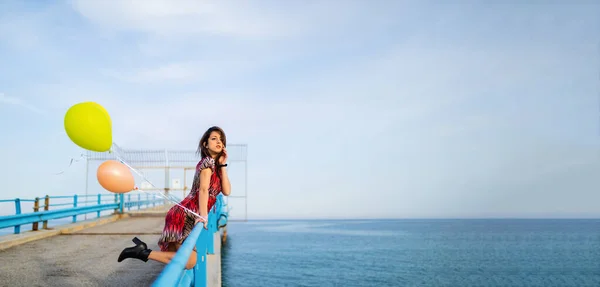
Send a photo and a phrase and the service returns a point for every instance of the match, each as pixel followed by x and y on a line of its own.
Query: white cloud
pixel 396 92
pixel 21 103
pixel 175 72
pixel 181 17
pixel 185 72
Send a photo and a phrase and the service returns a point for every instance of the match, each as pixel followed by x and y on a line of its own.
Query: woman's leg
pixel 167 256
pixel 161 256
pixel 192 260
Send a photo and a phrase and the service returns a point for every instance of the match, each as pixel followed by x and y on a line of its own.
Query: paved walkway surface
pixel 85 257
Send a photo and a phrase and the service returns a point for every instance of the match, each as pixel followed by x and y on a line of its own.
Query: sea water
pixel 511 252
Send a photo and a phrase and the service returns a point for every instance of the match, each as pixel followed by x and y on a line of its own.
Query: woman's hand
pixel 201 219
pixel 223 158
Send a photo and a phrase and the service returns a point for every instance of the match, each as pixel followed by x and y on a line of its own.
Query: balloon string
pixel 167 197
pixel 144 178
pixel 73 160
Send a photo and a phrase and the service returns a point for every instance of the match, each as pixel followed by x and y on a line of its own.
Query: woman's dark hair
pixel 202 150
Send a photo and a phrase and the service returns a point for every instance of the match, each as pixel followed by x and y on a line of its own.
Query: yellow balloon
pixel 89 126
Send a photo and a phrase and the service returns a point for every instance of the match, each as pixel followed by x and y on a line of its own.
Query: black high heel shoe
pixel 139 251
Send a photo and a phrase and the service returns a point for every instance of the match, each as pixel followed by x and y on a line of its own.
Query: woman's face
pixel 214 144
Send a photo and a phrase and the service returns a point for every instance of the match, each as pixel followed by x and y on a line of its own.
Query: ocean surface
pixel 413 253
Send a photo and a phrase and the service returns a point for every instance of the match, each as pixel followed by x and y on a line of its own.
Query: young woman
pixel 210 180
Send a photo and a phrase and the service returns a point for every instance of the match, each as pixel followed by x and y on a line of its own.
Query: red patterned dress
pixel 179 222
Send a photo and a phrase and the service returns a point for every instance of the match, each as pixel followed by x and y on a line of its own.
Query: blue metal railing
pixel 115 202
pixel 174 273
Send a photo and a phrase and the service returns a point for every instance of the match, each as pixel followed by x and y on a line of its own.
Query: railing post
pixel 116 201
pixel 200 276
pixel 139 203
pixel 46 206
pixel 210 241
pixel 17 211
pixel 99 202
pixel 121 203
pixel 74 205
pixel 36 208
pixel 129 201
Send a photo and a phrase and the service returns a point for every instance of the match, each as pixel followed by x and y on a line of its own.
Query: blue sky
pixel 349 108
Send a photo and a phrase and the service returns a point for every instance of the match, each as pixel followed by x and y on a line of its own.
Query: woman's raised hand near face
pixel 223 158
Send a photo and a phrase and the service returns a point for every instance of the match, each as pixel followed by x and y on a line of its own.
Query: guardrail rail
pixel 43 213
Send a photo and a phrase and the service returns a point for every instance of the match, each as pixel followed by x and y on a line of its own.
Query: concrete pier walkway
pixel 80 256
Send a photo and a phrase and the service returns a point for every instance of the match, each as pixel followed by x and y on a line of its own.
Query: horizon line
pixel 419 218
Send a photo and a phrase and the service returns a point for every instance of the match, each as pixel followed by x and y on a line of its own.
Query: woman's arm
pixel 225 184
pixel 203 197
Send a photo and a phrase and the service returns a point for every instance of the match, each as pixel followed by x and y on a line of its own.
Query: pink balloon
pixel 115 177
